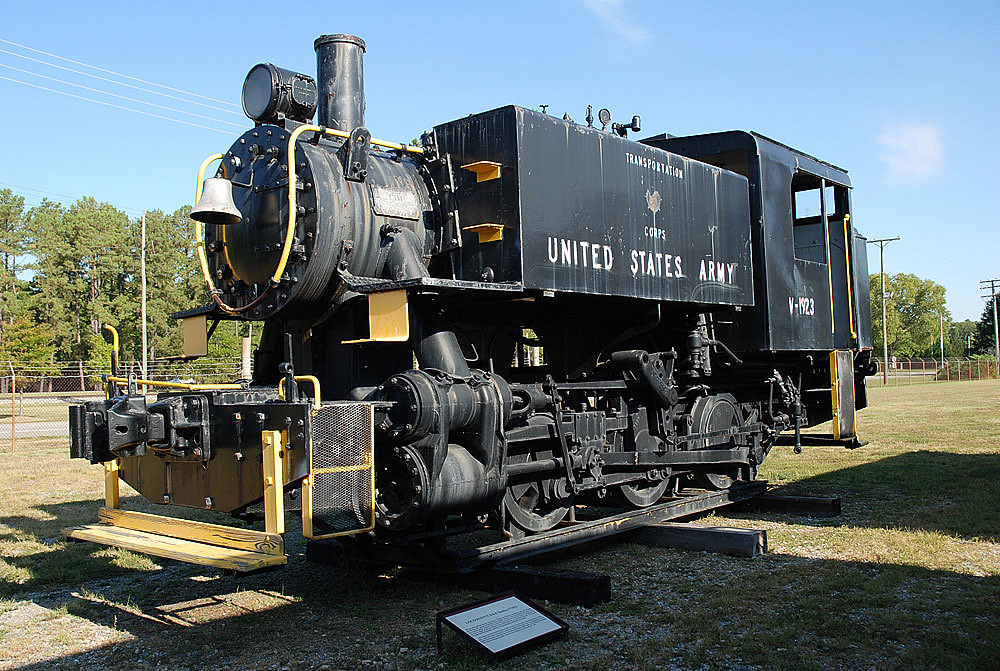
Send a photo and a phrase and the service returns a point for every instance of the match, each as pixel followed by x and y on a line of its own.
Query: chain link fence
pixel 35 396
pixel 904 370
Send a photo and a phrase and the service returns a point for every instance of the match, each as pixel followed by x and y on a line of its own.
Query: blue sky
pixel 903 95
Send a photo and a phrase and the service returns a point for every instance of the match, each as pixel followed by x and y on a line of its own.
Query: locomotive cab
pixel 811 281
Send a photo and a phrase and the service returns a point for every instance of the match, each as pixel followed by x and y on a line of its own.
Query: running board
pixel 223 547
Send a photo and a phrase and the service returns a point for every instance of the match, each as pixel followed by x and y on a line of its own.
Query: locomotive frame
pixel 688 304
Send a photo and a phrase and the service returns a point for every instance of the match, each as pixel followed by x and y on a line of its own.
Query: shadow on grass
pixel 946 492
pixel 43 560
pixel 779 612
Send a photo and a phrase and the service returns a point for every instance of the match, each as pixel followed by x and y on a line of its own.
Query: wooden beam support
pixel 543 582
pixel 723 540
pixel 818 506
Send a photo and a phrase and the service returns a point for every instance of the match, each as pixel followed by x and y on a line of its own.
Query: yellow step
pixel 215 545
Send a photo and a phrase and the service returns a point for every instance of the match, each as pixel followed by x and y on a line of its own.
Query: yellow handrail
pixel 199 235
pixel 847 262
pixel 178 385
pixel 829 264
pixel 115 344
pixel 317 403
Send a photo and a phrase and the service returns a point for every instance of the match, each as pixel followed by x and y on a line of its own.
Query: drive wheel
pixel 534 506
pixel 643 494
pixel 716 413
pixel 711 480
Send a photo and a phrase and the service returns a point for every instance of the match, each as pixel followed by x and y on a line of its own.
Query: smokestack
pixel 341 78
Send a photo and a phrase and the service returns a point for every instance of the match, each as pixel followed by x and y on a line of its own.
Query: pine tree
pixel 984 339
pixel 85 271
pixel 12 238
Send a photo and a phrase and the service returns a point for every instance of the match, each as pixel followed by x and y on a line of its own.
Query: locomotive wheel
pixel 533 506
pixel 642 495
pixel 716 413
pixel 714 480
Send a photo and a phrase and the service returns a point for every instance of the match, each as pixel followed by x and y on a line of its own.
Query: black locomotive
pixel 520 315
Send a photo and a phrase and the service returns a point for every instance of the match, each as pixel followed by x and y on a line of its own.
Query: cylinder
pixel 341 80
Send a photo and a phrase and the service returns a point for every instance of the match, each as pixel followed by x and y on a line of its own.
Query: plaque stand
pixel 501 626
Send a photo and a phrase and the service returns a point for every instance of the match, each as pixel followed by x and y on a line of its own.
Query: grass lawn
pixel 908 577
pixel 34 412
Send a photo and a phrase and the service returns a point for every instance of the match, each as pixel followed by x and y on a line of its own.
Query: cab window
pixel 809 196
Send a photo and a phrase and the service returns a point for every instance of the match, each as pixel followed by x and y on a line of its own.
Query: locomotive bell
pixel 216 204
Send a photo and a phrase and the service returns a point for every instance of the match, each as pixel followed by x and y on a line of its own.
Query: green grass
pixel 908 577
pixel 34 412
pixel 42 491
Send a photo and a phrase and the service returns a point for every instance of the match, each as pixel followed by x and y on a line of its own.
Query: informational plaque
pixel 503 625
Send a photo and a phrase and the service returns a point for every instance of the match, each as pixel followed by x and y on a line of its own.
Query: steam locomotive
pixel 520 315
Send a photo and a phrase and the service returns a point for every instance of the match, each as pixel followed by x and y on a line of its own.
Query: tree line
pixel 915 313
pixel 68 270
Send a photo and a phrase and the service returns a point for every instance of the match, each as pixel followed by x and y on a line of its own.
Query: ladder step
pixel 179 549
pixel 212 534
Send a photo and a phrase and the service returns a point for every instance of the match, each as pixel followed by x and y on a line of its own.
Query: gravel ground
pixel 908 577
pixel 671 609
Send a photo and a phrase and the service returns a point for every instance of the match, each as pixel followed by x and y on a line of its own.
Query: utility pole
pixel 245 370
pixel 142 281
pixel 994 290
pixel 942 339
pixel 882 242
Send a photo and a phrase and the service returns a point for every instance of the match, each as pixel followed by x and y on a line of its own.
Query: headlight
pixel 270 93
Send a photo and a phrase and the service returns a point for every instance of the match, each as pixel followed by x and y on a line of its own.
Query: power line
pixel 62 196
pixel 117 74
pixel 116 95
pixel 121 107
pixel 118 83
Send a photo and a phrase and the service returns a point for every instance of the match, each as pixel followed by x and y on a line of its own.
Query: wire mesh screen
pixel 342 473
